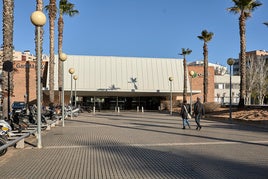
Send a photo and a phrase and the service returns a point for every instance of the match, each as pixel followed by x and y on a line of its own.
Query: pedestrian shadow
pixel 254 126
pixel 241 126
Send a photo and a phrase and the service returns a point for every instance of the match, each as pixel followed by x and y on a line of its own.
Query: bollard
pixel 142 110
pixel 118 109
pixel 138 108
pixel 48 128
pixel 20 144
pixel 94 109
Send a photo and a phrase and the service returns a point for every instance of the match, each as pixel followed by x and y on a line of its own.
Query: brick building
pixel 24 76
pixel 197 82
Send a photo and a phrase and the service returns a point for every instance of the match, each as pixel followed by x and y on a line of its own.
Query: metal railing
pixel 20 137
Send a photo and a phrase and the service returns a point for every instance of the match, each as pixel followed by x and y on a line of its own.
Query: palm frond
pixel 245 7
pixel 185 51
pixel 206 36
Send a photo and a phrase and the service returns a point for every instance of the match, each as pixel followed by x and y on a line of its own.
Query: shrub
pixel 211 106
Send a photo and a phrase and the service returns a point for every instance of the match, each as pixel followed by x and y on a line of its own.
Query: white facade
pixel 222 88
pixel 122 76
pixel 218 69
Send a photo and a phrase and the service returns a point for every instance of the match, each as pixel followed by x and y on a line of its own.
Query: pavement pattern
pixel 132 145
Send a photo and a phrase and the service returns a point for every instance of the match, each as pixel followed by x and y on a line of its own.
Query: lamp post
pixel 75 77
pixel 230 62
pixel 193 75
pixel 38 19
pixel 71 71
pixel 170 82
pixel 63 57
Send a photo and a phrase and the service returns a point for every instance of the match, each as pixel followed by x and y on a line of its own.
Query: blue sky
pixel 147 28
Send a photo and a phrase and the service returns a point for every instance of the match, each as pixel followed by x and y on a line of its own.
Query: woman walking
pixel 185 110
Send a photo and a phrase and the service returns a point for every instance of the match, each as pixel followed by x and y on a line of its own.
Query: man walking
pixel 199 111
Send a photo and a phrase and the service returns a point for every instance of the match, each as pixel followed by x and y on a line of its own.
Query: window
pixel 218 86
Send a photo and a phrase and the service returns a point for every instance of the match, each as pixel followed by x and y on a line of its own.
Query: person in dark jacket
pixel 199 111
pixel 185 109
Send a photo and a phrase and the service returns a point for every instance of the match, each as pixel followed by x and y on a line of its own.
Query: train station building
pixel 127 82
pixel 109 81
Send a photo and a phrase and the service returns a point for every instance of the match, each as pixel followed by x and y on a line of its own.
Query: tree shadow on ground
pixel 164 131
pixel 170 163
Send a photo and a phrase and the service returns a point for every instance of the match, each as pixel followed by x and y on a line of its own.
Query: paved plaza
pixel 133 145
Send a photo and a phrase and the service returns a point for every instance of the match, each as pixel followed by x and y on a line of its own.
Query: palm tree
pixel 65 8
pixel 52 9
pixel 244 8
pixel 206 37
pixel 8 27
pixel 185 52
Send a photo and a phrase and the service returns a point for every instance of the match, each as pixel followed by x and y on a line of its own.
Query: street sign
pixel 8 66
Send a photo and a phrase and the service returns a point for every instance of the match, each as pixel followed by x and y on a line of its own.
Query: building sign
pixel 27 65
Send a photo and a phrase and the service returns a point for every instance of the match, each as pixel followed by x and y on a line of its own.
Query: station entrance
pixel 124 103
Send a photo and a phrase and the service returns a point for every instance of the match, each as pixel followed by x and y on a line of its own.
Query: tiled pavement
pixel 135 145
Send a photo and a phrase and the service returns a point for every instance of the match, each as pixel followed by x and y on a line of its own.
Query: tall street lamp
pixel 71 71
pixel 193 75
pixel 38 19
pixel 230 62
pixel 170 82
pixel 63 57
pixel 75 77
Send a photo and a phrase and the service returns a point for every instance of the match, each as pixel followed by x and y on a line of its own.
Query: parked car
pixel 18 107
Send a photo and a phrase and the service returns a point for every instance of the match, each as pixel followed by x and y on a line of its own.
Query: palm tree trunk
pixel 39 7
pixel 184 79
pixel 242 30
pixel 8 25
pixel 205 83
pixel 60 37
pixel 52 16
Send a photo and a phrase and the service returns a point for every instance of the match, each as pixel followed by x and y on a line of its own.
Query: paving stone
pixel 141 145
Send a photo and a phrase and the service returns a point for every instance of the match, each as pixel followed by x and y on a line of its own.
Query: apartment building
pixel 24 76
